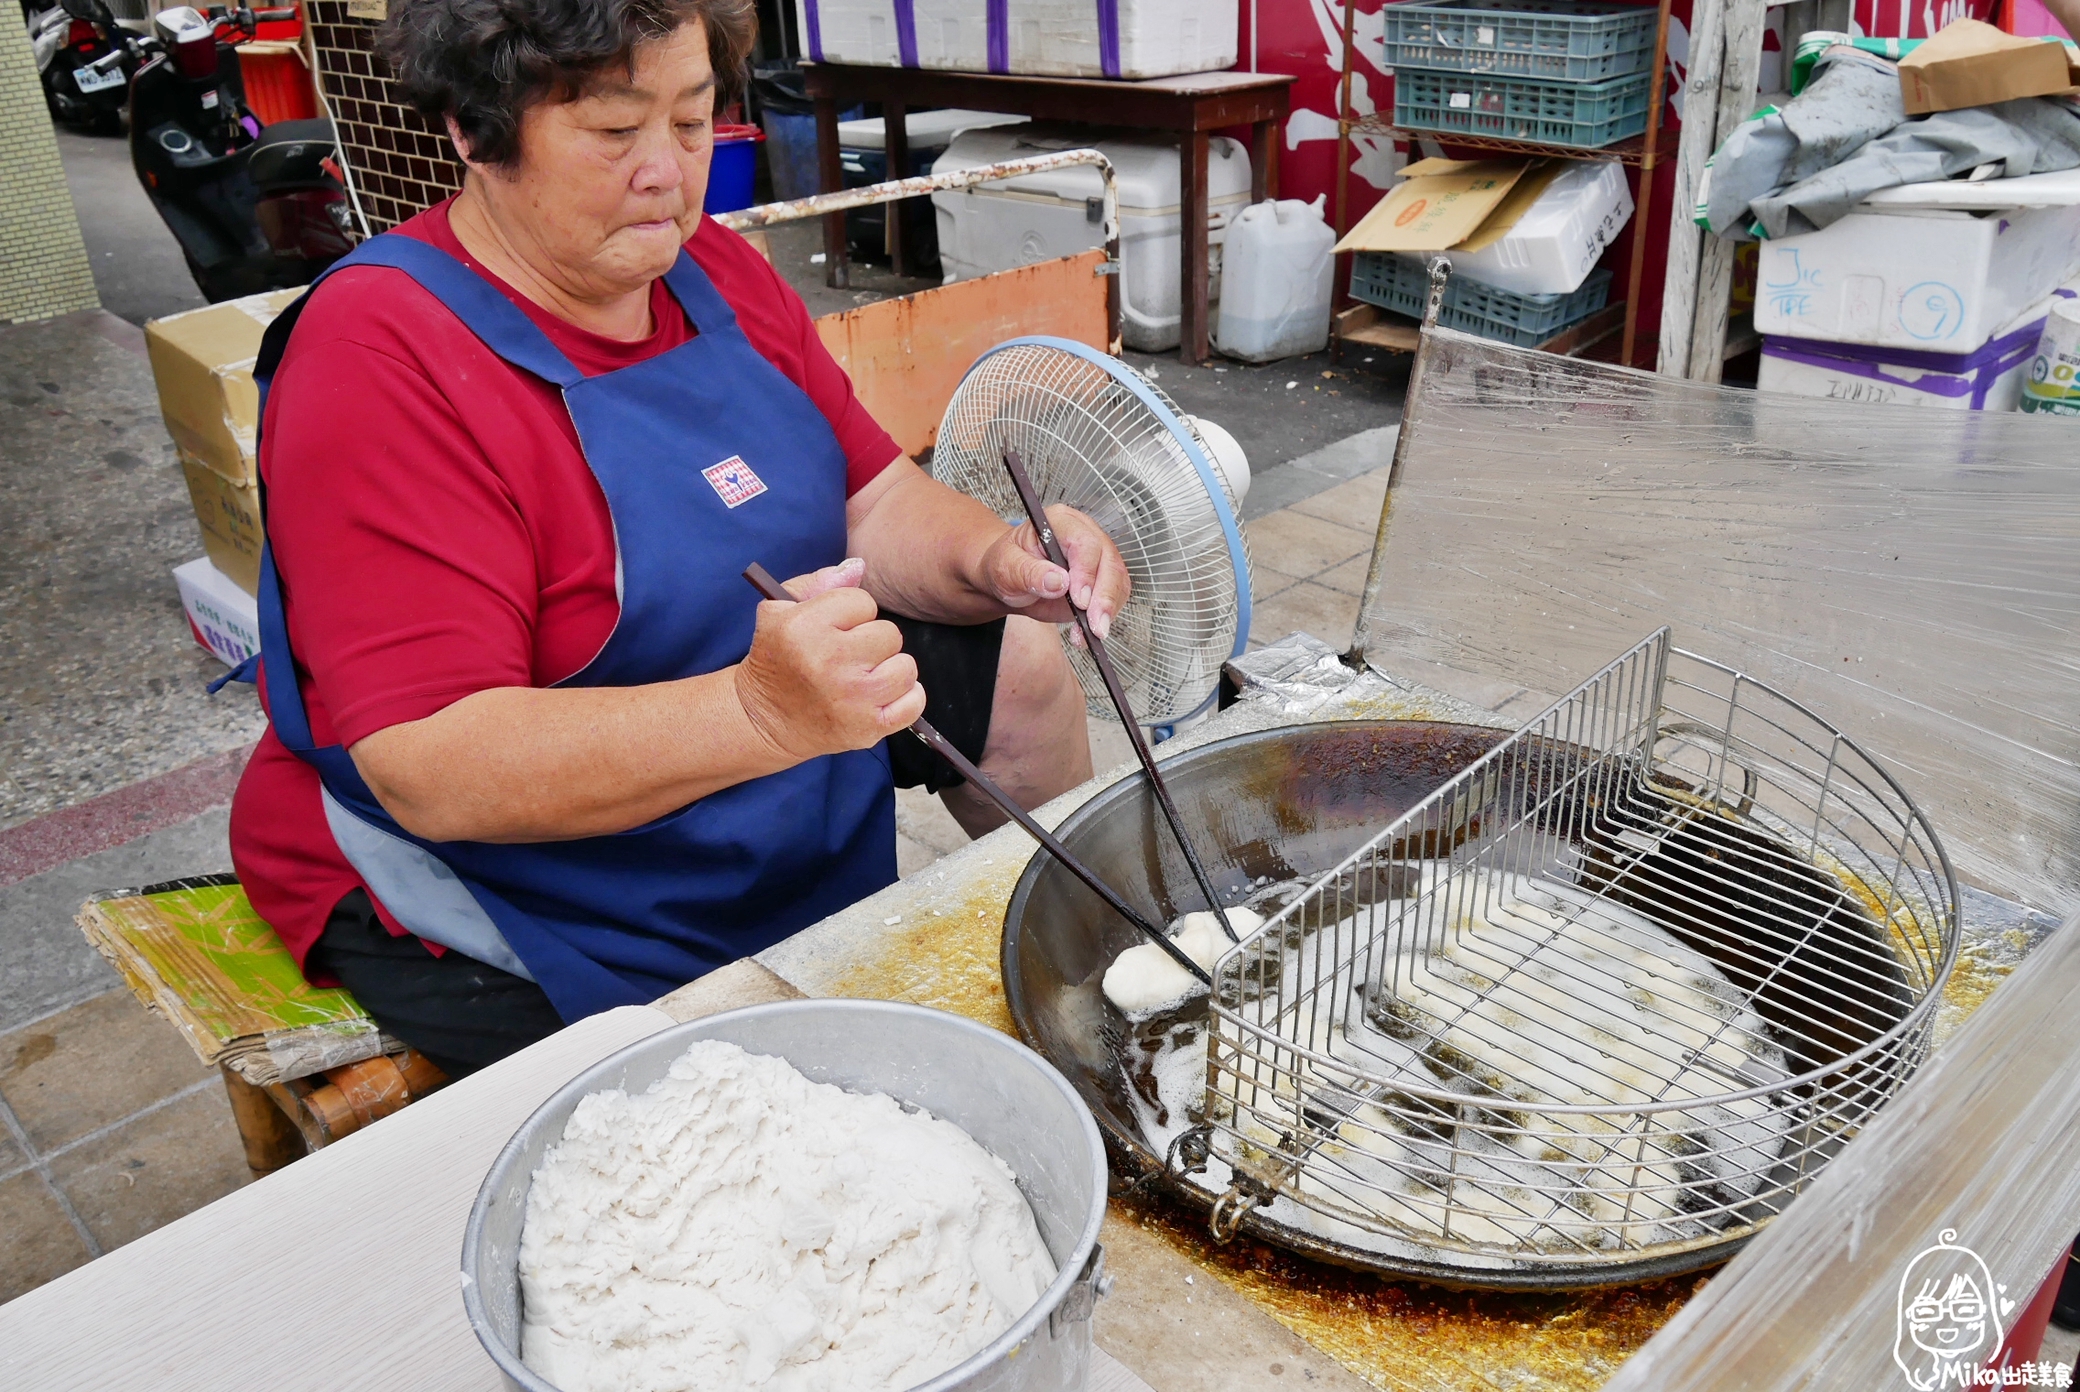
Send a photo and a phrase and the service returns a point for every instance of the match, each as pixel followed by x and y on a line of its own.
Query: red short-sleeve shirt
pixel 437 530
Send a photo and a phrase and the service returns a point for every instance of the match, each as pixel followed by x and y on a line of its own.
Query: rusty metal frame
pixel 819 205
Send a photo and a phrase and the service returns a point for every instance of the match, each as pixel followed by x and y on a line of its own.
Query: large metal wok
pixel 1283 804
pixel 1294 803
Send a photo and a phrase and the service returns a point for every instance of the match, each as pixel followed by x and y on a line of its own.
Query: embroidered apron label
pixel 733 481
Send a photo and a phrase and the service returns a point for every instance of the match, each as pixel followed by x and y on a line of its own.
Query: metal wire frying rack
pixel 1612 994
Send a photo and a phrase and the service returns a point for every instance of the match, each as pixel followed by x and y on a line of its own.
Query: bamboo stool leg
pixel 340 1101
pixel 271 1140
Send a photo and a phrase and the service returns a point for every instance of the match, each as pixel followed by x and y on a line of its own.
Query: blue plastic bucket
pixel 733 169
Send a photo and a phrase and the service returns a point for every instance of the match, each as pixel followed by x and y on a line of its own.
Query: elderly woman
pixel 535 747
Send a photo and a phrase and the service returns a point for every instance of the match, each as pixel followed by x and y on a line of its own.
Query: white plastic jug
pixel 1277 281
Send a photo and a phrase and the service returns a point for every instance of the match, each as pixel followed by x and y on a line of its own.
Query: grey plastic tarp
pixel 1847 135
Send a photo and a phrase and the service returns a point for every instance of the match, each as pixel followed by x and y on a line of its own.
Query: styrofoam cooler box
pixel 1989 378
pixel 1561 237
pixel 1038 38
pixel 1936 280
pixel 1037 217
pixel 923 130
pixel 223 618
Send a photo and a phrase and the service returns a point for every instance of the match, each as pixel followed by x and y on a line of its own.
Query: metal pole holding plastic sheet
pixel 1440 271
pixel 825 204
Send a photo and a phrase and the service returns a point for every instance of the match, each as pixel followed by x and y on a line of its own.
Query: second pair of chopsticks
pixel 1050 543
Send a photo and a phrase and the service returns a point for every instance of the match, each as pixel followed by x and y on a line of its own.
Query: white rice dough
pixel 738 1226
pixel 1145 980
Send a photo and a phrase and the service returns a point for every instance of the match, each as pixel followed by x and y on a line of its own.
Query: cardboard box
pixel 1557 241
pixel 1446 204
pixel 1987 379
pixel 203 363
pixel 229 512
pixel 1474 207
pixel 224 619
pixel 1974 64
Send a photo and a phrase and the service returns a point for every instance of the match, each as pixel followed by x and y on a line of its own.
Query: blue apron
pixel 710 458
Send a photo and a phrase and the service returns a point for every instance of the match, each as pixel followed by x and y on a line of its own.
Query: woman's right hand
pixel 826 674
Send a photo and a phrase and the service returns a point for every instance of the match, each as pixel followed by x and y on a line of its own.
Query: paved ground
pixel 116 769
pixel 1278 412
pixel 137 264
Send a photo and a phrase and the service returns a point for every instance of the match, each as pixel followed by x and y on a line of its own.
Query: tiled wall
pixel 43 263
pixel 402 164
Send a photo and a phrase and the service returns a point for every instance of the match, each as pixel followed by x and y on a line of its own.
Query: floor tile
pixel 912 856
pixel 1266 582
pixel 923 819
pixel 1348 578
pixel 12 1157
pixel 1310 608
pixel 40 1244
pixel 1353 504
pixel 152 1170
pixel 1303 546
pixel 91 1066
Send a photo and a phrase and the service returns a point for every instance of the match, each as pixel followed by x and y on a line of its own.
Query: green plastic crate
pixel 1551 40
pixel 1583 115
pixel 1401 285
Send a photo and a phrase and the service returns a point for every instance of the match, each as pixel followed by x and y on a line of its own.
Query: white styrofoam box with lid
pixel 1130 39
pixel 1560 237
pixel 1988 378
pixel 223 618
pixel 1036 217
pixel 925 130
pixel 1939 280
pixel 1278 281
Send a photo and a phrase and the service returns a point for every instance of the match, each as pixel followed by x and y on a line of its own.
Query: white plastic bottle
pixel 1277 281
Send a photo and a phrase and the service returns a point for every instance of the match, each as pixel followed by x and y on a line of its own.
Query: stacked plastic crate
pixel 1548 71
pixel 1544 72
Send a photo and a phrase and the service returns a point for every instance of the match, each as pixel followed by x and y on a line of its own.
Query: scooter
pixel 253 208
pixel 86 61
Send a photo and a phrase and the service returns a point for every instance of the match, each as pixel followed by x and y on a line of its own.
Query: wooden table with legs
pixel 1190 108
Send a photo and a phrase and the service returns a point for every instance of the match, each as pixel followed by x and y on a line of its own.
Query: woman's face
pixel 610 184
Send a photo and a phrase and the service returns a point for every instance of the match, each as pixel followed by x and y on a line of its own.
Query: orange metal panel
pixel 907 355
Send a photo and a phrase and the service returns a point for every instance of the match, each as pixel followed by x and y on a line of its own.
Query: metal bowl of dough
pixel 1001 1093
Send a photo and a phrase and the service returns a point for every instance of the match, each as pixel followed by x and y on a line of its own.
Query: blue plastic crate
pixel 1584 115
pixel 1402 286
pixel 1551 40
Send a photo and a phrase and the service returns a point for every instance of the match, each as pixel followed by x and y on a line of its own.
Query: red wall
pixel 1304 37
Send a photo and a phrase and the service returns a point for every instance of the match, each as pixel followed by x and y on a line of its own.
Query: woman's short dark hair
pixel 484 62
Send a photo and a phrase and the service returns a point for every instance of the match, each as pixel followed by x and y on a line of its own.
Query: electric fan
pixel 1096 435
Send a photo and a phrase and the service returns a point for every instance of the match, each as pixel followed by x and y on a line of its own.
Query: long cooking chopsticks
pixel 1096 646
pixel 762 580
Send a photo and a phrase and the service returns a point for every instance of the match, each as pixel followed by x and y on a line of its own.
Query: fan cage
pixel 1097 436
pixel 1670 787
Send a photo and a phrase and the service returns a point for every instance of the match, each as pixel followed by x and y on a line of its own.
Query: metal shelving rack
pixel 1643 152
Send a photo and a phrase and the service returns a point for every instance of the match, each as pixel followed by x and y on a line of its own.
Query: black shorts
pixel 464 1015
pixel 957 665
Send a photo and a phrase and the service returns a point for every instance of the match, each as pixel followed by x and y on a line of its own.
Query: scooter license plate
pixel 91 81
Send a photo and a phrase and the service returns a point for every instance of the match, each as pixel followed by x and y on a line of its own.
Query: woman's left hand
pixel 1015 569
